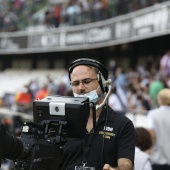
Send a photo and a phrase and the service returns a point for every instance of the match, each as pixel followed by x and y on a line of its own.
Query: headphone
pixel 102 74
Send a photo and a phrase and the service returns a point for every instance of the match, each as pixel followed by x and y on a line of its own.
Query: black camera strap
pixel 88 142
pixel 89 138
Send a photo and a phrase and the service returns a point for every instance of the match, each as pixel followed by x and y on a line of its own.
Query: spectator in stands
pixel 23 100
pixel 121 78
pixel 34 87
pixel 8 99
pixel 85 5
pixel 10 21
pixel 115 102
pixel 155 86
pixel 142 150
pixel 66 80
pixel 49 19
pixel 144 85
pixel 62 88
pixel 63 14
pixel 51 86
pixel 71 12
pixel 105 10
pixel 17 6
pixel 96 11
pixel 159 126
pixel 57 15
pixel 112 68
pixel 141 104
pixel 112 8
pixel 131 96
pixel 165 66
pixel 42 93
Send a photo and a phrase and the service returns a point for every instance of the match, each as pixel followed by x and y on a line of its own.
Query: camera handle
pixel 59 124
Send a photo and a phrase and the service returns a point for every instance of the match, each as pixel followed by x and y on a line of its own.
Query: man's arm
pixel 123 164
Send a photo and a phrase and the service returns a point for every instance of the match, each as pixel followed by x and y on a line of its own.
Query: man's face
pixel 88 78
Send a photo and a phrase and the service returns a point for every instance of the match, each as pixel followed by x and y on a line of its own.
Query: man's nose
pixel 81 86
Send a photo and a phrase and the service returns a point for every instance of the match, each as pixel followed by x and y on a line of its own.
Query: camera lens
pixel 11 147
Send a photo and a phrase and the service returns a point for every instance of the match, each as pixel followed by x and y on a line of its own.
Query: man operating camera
pixel 110 140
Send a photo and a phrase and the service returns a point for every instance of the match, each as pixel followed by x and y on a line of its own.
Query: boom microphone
pixel 106 83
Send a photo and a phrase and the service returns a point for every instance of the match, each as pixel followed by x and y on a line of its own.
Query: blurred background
pixel 40 38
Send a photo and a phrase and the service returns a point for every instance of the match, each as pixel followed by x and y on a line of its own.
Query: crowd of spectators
pixel 133 90
pixel 77 12
pixel 21 100
pixel 16 15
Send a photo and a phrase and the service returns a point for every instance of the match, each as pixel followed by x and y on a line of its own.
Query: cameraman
pixel 110 145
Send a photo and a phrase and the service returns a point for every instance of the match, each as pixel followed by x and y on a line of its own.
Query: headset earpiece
pixel 102 83
pixel 101 80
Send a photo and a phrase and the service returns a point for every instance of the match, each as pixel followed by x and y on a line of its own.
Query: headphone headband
pixel 91 62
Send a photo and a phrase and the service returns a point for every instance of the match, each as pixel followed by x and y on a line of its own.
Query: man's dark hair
pixel 143 138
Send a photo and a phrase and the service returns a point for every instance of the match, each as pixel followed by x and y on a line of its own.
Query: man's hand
pixel 123 164
pixel 107 167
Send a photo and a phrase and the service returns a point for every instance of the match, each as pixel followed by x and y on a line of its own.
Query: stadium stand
pixel 19 15
pixel 19 78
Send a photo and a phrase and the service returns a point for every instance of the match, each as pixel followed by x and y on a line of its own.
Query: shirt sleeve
pixel 147 165
pixel 126 143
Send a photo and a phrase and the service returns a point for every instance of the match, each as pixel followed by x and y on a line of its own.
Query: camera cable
pixel 103 142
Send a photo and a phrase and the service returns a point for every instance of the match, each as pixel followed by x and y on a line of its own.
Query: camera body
pixel 41 142
pixel 38 153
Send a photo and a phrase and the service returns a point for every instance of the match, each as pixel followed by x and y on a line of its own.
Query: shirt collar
pixel 164 107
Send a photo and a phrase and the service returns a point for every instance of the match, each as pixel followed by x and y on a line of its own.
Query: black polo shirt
pixel 119 142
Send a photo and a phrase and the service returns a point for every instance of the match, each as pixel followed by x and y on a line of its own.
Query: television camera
pixel 40 145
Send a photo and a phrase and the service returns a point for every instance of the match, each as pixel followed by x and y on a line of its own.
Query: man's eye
pixel 87 81
pixel 76 83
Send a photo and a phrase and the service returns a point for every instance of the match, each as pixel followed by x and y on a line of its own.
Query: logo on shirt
pixel 107 132
pixel 107 128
